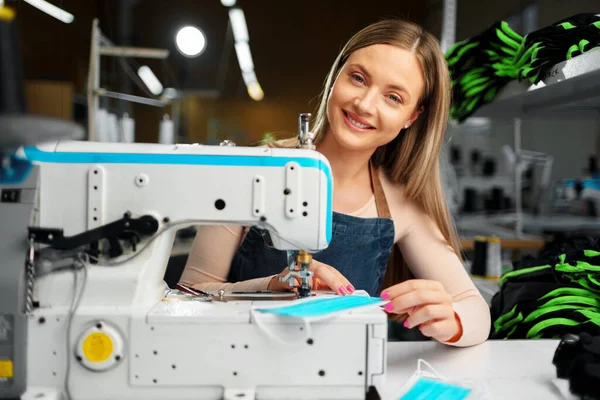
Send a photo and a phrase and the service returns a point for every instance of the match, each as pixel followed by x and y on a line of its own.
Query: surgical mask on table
pixel 426 383
pixel 313 309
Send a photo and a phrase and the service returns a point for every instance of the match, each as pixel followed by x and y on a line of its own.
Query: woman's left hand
pixel 428 306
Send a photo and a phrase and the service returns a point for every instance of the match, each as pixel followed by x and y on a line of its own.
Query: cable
pixel 75 301
pixel 125 63
pixel 170 78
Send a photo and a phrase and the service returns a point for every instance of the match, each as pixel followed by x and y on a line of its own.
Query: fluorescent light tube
pixel 150 80
pixel 244 57
pixel 52 10
pixel 255 91
pixel 238 25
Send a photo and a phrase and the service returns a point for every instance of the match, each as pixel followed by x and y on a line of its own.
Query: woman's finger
pixel 332 278
pixel 416 298
pixel 410 286
pixel 429 313
pixel 441 330
pixel 320 285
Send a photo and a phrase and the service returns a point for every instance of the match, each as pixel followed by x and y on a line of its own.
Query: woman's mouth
pixel 353 122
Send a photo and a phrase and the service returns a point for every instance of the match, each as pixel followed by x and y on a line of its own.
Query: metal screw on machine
pixel 227 143
pixel 305 136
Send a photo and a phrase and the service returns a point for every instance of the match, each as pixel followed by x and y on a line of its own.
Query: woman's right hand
pixel 325 277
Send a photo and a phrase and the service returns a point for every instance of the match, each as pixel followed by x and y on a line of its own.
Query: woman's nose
pixel 366 102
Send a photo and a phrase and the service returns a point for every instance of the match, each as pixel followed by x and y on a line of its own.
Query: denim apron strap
pixel 383 211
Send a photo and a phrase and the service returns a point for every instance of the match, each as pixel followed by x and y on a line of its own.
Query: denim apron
pixel 359 248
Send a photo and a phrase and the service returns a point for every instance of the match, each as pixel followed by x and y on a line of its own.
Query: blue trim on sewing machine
pixel 16 172
pixel 32 153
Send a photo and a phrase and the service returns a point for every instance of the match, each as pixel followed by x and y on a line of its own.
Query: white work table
pixel 509 369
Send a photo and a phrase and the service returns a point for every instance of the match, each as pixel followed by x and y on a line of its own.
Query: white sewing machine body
pixel 196 350
pixel 86 185
pixel 126 340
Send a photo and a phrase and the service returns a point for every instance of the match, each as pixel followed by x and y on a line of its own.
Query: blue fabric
pixel 432 389
pixel 321 306
pixel 359 249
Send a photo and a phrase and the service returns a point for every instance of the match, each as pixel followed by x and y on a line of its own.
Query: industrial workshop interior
pixel 299 199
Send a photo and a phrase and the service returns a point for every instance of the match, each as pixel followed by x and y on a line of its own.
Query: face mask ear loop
pixel 307 329
pixel 260 324
pixel 432 374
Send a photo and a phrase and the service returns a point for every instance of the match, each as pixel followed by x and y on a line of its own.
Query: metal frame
pixel 518 197
pixel 102 46
pixel 568 83
pixel 569 90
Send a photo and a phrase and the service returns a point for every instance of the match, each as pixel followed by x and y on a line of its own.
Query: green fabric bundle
pixel 481 66
pixel 550 300
pixel 558 42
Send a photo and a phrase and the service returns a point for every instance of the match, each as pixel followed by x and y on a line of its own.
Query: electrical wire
pixel 75 302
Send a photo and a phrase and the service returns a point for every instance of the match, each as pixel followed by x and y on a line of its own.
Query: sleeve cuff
pixel 473 331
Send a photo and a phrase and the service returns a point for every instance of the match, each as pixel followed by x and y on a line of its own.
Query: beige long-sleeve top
pixel 423 246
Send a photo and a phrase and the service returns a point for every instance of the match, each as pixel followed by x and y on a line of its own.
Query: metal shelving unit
pixel 571 89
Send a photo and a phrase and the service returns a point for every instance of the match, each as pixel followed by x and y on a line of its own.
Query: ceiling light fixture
pixel 51 10
pixel 190 41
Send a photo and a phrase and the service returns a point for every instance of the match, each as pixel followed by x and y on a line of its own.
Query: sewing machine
pixel 87 277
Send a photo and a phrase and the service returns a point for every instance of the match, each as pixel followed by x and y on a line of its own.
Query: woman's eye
pixel 358 78
pixel 395 98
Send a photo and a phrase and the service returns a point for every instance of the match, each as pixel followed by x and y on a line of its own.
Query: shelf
pixel 508 244
pixel 501 225
pixel 487 183
pixel 570 89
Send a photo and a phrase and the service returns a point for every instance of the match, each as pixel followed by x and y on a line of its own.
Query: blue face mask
pixel 315 309
pixel 426 388
pixel 427 383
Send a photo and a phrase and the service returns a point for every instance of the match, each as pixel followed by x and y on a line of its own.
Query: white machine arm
pixel 130 193
pixel 287 191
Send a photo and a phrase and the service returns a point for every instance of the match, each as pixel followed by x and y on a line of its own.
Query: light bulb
pixel 190 41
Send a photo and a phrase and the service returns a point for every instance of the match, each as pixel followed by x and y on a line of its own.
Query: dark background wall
pixel 293 44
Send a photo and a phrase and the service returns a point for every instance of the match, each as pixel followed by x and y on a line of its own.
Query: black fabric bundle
pixel 552 295
pixel 481 66
pixel 577 359
pixel 558 42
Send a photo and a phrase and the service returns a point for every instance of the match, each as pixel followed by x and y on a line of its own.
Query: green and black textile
pixel 558 42
pixel 481 66
pixel 558 294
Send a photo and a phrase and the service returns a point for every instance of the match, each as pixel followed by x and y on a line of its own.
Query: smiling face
pixel 375 96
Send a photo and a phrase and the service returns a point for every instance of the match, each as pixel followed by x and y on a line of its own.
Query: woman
pixel 380 122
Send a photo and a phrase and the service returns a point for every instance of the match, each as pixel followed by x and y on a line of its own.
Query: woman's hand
pixel 325 277
pixel 428 306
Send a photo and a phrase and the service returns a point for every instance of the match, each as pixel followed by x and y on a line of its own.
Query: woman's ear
pixel 413 117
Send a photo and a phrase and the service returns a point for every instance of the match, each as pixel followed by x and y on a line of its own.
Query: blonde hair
pixel 412 158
